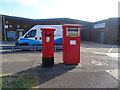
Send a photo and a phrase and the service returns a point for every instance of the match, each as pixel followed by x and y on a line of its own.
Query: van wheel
pixel 24 44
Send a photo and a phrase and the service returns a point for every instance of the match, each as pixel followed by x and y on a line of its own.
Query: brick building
pixel 14 27
pixel 104 31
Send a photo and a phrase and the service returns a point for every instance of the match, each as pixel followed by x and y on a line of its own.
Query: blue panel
pixel 102 37
pixel 29 41
pixel 34 42
pixel 11 35
pixel 58 41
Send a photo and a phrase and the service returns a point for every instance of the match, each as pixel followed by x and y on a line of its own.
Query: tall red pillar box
pixel 71 44
pixel 47 47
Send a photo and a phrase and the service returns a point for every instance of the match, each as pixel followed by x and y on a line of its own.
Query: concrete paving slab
pixel 114 73
pixel 14 67
pixel 79 80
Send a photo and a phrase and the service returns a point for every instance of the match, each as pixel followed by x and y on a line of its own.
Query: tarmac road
pixel 98 69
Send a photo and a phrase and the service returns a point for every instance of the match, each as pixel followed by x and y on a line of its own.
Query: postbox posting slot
pixel 73 31
pixel 48 34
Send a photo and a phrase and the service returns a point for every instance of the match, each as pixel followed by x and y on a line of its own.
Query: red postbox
pixel 47 47
pixel 71 44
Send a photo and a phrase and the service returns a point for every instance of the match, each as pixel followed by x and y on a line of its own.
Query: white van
pixel 34 35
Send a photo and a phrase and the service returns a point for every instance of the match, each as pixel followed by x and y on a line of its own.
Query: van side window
pixel 32 33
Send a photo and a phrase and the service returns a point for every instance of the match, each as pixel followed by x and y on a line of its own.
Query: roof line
pixel 17 17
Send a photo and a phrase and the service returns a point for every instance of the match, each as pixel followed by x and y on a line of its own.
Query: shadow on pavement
pixel 46 74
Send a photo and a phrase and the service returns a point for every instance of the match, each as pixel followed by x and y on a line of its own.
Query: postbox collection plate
pixel 72 42
pixel 47 39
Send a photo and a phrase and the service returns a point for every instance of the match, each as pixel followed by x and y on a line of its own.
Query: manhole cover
pixel 96 63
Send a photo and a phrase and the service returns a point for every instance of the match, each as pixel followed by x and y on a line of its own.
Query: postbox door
pixel 48 40
pixel 71 46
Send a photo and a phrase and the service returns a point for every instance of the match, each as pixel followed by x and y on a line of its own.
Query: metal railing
pixel 34 48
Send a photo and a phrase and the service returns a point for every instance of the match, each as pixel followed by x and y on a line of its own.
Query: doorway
pixel 102 37
pixel 20 34
pixel 11 35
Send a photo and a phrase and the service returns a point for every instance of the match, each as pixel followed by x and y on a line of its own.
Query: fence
pixel 35 48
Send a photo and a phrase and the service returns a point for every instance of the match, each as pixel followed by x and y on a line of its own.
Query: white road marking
pixel 114 73
pixel 110 49
pixel 99 53
pixel 113 55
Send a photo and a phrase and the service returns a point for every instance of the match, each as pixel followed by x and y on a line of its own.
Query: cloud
pixel 29 2
pixel 89 10
pixel 6 13
pixel 24 2
pixel 82 9
pixel 9 14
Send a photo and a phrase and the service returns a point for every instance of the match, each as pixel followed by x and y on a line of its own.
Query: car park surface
pixel 98 67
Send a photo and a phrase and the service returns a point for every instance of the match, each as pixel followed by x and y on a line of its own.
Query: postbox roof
pixel 48 28
pixel 70 25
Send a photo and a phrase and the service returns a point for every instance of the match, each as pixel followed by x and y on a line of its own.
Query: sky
pixel 86 10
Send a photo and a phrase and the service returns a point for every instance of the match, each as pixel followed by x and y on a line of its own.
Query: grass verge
pixel 24 80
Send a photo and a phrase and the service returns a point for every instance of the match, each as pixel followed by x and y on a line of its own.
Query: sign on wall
pixel 100 25
pixel 5 26
pixel 20 29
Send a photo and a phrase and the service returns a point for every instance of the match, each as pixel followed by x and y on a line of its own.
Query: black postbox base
pixel 47 61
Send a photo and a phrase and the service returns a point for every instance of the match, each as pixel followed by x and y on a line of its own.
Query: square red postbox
pixel 71 44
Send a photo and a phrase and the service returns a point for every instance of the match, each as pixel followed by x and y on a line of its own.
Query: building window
pixel 18 26
pixel 10 26
pixel 6 26
pixel 32 33
pixel 6 22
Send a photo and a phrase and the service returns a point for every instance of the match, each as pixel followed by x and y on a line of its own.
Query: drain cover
pixel 96 63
